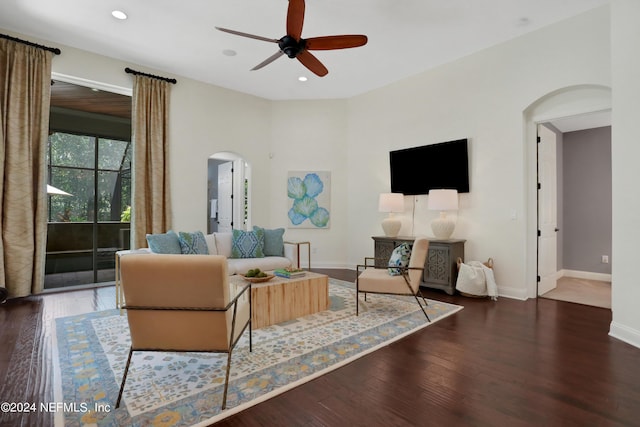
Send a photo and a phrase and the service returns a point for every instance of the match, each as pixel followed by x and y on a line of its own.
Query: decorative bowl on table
pixel 257 279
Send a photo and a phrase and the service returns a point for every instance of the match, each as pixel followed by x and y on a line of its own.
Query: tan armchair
pixel 377 280
pixel 183 303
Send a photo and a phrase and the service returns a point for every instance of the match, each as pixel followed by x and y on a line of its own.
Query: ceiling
pixel 583 121
pixel 179 37
pixel 81 98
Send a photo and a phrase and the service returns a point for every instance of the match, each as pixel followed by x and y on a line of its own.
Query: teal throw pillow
pixel 193 243
pixel 399 258
pixel 166 243
pixel 273 241
pixel 247 244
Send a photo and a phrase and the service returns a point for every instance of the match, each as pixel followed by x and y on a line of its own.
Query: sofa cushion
pixel 399 258
pixel 211 244
pixel 193 243
pixel 223 243
pixel 164 243
pixel 273 241
pixel 247 244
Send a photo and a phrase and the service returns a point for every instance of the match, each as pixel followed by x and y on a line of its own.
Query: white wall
pixel 204 120
pixel 625 149
pixel 311 136
pixel 481 97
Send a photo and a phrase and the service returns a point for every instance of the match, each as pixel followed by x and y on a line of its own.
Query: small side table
pixel 298 244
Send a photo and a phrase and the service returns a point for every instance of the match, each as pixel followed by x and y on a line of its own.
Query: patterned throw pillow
pixel 273 241
pixel 166 243
pixel 247 244
pixel 193 243
pixel 399 258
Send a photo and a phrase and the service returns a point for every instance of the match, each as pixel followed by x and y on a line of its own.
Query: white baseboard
pixel 625 333
pixel 328 265
pixel 585 275
pixel 513 293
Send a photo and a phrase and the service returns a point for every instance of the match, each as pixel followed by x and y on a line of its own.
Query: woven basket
pixel 489 264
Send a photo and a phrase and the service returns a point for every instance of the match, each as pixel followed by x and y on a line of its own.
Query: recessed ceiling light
pixel 302 78
pixel 229 52
pixel 95 89
pixel 118 14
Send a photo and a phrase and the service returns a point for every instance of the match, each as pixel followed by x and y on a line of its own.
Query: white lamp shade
pixel 391 202
pixel 443 200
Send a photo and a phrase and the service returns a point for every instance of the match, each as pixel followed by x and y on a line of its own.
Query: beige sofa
pixel 221 244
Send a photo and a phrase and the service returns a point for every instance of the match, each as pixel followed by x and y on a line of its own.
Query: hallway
pixel 595 293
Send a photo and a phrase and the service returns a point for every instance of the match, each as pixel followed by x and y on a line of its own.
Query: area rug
pixel 185 389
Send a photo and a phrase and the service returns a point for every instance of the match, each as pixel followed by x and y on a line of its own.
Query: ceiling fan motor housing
pixel 290 46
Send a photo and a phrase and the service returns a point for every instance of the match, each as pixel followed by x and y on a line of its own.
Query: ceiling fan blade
pixel 269 60
pixel 312 63
pixel 335 42
pixel 251 36
pixel 295 18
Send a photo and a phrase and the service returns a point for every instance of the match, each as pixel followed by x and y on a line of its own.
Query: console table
pixel 440 269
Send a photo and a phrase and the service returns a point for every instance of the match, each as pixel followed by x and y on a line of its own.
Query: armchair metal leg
pixel 357 296
pixel 425 304
pixel 124 377
pixel 226 381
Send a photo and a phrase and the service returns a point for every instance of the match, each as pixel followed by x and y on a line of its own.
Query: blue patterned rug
pixel 185 389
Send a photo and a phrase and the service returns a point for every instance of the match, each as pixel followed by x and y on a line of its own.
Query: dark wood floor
pixel 506 363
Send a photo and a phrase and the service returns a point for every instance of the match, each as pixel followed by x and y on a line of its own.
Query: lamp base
pixel 391 226
pixel 443 227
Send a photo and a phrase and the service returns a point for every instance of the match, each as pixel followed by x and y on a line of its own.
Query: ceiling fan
pixel 294 46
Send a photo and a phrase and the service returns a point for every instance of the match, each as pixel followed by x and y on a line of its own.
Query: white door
pixel 547 211
pixel 225 197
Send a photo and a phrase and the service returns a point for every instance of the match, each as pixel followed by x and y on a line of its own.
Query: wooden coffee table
pixel 280 299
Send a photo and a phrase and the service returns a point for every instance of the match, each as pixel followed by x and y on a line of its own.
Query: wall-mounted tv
pixel 417 170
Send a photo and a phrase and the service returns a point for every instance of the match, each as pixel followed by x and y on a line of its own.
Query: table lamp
pixel 443 201
pixel 391 202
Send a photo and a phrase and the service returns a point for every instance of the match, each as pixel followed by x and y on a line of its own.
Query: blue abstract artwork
pixel 309 196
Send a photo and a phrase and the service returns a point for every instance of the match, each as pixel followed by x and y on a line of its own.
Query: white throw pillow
pixel 223 243
pixel 211 244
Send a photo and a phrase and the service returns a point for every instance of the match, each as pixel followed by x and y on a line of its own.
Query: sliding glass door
pixel 89 207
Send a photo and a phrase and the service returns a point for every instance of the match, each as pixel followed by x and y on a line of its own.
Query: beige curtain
pixel 151 197
pixel 25 90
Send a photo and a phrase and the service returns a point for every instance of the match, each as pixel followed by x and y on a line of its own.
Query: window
pixel 76 163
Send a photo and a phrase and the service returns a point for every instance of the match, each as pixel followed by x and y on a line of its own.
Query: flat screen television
pixel 417 170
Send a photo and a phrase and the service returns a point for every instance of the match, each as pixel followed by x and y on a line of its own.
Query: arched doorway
pixel 228 192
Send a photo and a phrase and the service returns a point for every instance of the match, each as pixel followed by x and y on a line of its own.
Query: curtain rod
pixel 140 73
pixel 28 43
